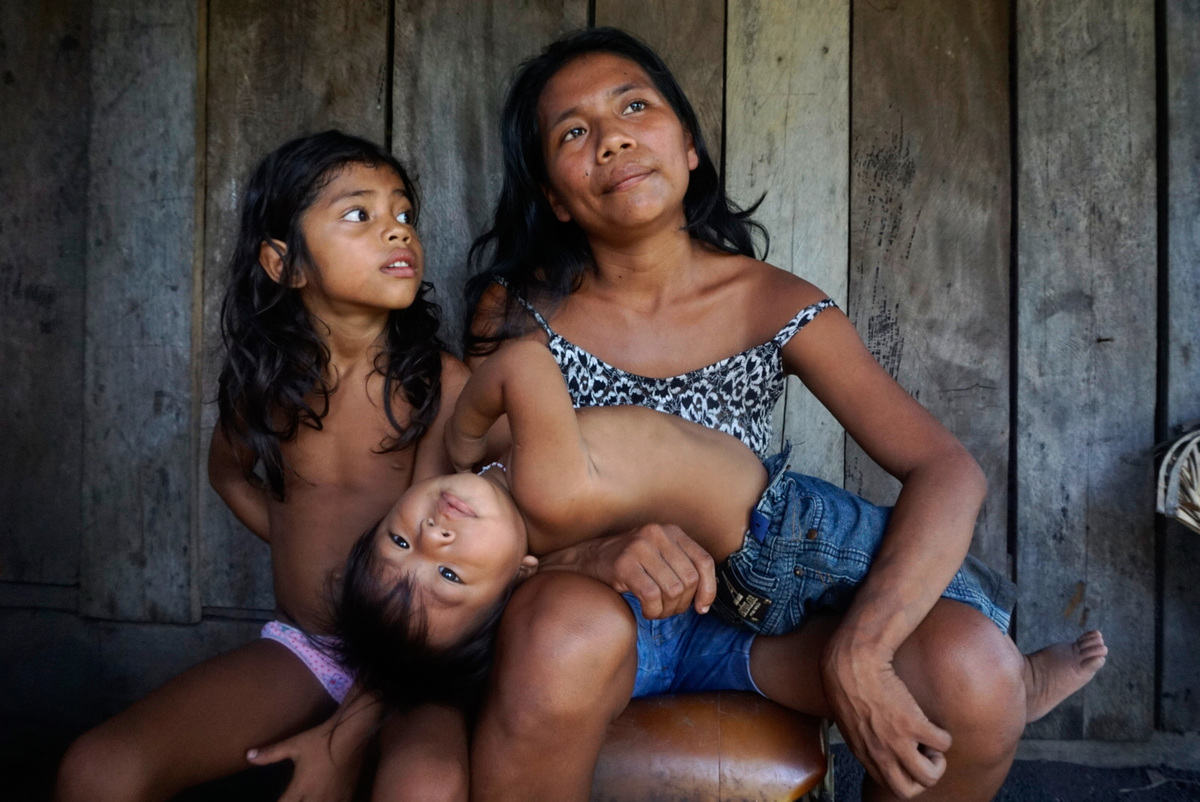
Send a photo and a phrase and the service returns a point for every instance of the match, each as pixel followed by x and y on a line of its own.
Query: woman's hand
pixel 879 718
pixel 664 568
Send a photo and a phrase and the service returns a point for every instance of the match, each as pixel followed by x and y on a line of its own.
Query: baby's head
pixel 424 589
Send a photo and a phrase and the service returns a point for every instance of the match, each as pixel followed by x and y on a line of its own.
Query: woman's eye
pixel 448 574
pixel 356 215
pixel 399 541
pixel 572 133
pixel 405 217
pixel 636 105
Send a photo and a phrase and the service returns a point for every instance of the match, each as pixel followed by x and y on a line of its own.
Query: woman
pixel 614 244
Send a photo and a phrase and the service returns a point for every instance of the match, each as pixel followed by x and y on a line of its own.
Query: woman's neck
pixel 650 270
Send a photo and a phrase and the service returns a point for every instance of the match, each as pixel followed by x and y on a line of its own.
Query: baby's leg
pixel 423 755
pixel 195 728
pixel 1056 672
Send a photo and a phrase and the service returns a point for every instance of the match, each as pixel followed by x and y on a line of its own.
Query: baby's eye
pixel 448 574
pixel 399 541
pixel 356 215
pixel 636 106
pixel 405 217
pixel 572 133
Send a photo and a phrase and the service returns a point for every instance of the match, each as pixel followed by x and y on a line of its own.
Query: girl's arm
pixel 431 458
pixel 927 538
pixel 227 473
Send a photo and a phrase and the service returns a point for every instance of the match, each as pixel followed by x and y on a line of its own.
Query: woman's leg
pixel 195 728
pixel 565 667
pixel 423 755
pixel 966 675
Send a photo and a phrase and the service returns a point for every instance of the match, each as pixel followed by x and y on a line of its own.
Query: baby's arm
pixel 227 473
pixel 431 457
pixel 549 461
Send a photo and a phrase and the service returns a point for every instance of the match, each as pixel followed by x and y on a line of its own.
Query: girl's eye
pixel 572 133
pixel 405 217
pixel 356 215
pixel 399 541
pixel 448 574
pixel 636 106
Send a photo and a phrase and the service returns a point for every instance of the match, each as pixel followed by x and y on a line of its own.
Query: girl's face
pixel 365 254
pixel 461 541
pixel 617 157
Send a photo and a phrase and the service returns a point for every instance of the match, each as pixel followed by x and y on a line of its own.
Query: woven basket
pixel 1179 481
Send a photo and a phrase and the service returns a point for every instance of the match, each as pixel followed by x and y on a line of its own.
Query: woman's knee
pixel 565 640
pixel 969 680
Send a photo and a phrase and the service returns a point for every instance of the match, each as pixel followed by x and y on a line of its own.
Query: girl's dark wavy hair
pixel 273 379
pixel 382 634
pixel 541 258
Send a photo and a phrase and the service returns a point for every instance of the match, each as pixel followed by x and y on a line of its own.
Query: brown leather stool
pixel 716 747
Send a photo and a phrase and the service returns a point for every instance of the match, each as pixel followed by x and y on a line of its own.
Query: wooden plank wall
pixel 1181 547
pixel 1086 347
pixel 930 156
pixel 889 182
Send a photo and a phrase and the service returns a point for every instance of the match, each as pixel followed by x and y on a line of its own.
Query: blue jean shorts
pixel 690 652
pixel 808 549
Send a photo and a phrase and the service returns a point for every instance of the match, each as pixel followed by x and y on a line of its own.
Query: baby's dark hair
pixel 383 632
pixel 540 258
pixel 275 359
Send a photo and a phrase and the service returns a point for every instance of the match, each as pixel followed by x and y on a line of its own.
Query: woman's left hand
pixel 881 721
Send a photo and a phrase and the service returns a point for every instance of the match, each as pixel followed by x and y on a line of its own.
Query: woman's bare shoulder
pixel 776 294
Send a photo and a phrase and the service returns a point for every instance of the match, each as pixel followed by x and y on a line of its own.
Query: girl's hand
pixel 327 762
pixel 879 718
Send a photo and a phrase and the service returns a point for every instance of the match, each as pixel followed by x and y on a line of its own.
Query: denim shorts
pixel 808 549
pixel 690 652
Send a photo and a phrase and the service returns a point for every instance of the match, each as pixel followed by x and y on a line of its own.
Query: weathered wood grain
pixel 1181 594
pixel 138 552
pixel 787 133
pixel 453 61
pixel 1086 349
pixel 44 92
pixel 690 37
pixel 274 72
pixel 929 227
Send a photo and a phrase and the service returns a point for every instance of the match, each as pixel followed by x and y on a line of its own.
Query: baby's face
pixel 461 541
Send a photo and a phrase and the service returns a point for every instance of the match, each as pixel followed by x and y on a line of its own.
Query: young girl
pixel 333 396
pixel 421 591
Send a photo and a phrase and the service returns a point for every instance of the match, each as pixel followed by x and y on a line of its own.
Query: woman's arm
pixel 928 537
pixel 227 472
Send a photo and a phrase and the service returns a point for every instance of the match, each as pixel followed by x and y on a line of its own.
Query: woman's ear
pixel 270 256
pixel 528 567
pixel 693 158
pixel 556 206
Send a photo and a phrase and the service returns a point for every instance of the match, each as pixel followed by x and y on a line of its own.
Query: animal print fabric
pixel 735 395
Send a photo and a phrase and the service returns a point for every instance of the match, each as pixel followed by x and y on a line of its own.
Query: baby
pixel 424 589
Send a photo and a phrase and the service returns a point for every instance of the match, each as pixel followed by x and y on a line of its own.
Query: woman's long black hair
pixel 273 379
pixel 542 259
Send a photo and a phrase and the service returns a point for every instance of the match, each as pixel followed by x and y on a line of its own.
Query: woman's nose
pixel 613 140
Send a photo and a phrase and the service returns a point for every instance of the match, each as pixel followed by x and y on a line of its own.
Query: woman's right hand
pixel 664 568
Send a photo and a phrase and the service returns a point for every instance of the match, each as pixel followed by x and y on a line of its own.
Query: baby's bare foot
pixel 1056 672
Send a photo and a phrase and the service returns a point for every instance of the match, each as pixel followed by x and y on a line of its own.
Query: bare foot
pixel 1056 672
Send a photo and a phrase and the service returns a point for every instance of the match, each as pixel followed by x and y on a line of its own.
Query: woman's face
pixel 617 157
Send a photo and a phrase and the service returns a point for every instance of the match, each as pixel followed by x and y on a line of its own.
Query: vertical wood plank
pixel 446 117
pixel 274 72
pixel 929 227
pixel 138 555
pixel 787 134
pixel 44 92
pixel 1181 593
pixel 1086 348
pixel 690 37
